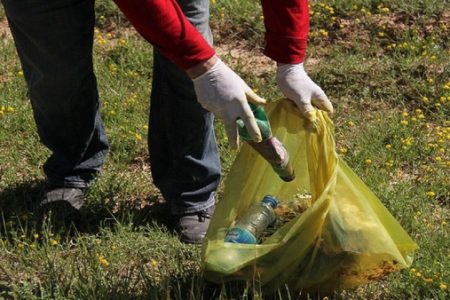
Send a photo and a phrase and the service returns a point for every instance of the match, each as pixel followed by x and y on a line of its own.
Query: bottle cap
pixel 270 200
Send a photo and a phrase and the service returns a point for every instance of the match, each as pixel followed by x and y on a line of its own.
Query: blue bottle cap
pixel 270 200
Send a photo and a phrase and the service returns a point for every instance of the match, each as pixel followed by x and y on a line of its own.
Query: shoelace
pixel 203 215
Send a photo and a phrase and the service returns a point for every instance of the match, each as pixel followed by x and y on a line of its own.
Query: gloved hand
pixel 222 92
pixel 296 85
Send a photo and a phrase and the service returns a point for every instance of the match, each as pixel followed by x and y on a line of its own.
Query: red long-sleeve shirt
pixel 164 25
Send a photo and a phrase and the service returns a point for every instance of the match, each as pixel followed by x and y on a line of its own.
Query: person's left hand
pixel 296 85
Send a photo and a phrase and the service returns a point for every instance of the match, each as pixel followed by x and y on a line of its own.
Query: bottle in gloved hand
pixel 255 220
pixel 270 147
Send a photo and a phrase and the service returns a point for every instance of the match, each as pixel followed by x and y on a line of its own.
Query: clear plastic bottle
pixel 255 220
pixel 270 147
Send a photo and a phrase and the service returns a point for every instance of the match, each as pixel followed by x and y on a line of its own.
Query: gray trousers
pixel 54 40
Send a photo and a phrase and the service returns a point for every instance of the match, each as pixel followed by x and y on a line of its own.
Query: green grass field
pixel 386 67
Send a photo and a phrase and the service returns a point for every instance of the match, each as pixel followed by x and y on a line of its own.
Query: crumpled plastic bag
pixel 344 238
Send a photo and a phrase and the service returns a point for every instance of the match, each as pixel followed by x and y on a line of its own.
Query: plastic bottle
pixel 255 220
pixel 270 147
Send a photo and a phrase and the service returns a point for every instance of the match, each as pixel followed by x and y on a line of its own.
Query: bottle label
pixel 240 236
pixel 277 156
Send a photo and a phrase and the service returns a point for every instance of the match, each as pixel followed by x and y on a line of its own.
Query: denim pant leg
pixel 183 151
pixel 54 41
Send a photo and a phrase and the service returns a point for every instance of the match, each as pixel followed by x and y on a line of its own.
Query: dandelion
pixel 404 122
pixel 425 99
pixel 10 109
pixel 122 42
pixel 418 274
pixel 53 242
pixel 343 150
pixel 20 73
pixel 351 123
pixel 103 261
pixel 35 236
pixel 390 163
pixel 443 286
pixel 154 262
pixel 368 161
pixel 431 194
pixel 428 280
pixel 388 146
pixel 138 137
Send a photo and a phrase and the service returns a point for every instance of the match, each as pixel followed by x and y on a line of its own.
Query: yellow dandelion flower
pixel 428 280
pixel 368 161
pixel 405 114
pixel 443 286
pixel 343 150
pixel 431 194
pixel 103 261
pixel 20 73
pixel 53 242
pixel 418 274
pixel 425 99
pixel 351 123
pixel 10 109
pixel 138 137
pixel 36 236
pixel 388 146
pixel 154 262
pixel 404 122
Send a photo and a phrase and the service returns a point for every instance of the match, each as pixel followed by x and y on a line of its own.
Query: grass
pixel 384 64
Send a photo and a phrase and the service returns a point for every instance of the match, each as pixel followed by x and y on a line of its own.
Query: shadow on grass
pixel 20 212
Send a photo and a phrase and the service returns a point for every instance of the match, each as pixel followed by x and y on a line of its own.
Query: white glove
pixel 296 85
pixel 222 92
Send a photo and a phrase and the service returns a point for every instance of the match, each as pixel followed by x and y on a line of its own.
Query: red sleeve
pixel 287 26
pixel 163 24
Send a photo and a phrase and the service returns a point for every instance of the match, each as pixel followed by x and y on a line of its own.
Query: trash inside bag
pixel 333 232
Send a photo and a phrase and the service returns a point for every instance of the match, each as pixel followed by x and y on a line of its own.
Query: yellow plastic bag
pixel 344 238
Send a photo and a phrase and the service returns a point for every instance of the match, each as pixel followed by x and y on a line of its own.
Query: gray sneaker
pixel 193 226
pixel 63 196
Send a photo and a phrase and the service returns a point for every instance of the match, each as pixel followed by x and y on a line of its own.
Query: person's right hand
pixel 222 92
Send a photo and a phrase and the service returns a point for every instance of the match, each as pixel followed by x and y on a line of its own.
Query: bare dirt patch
pixel 4 29
pixel 240 57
